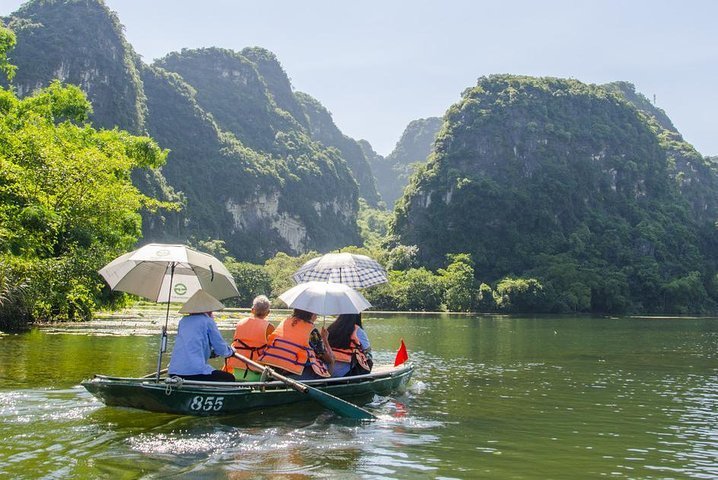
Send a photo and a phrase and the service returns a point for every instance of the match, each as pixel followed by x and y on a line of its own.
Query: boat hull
pixel 173 395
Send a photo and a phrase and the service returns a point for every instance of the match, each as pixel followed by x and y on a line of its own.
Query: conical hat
pixel 201 302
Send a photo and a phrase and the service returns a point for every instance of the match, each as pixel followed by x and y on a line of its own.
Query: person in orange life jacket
pixel 350 344
pixel 197 337
pixel 298 349
pixel 250 340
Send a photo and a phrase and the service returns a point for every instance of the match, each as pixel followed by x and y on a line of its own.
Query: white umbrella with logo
pixel 168 273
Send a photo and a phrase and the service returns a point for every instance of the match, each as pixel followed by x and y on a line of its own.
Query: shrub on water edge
pixel 14 315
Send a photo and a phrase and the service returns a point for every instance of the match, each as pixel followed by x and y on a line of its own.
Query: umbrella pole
pixel 163 338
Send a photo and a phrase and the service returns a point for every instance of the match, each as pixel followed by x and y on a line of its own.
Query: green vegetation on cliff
pixel 239 195
pixel 79 42
pixel 233 88
pixel 567 183
pixel 323 129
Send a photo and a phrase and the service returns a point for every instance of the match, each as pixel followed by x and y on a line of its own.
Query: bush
pixel 252 280
pixel 460 293
pixel 514 295
pixel 14 313
pixel 416 289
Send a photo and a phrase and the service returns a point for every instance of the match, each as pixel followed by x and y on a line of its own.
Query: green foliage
pixel 513 295
pixel 13 298
pixel 322 129
pixel 257 168
pixel 685 294
pixel 280 269
pixel 401 257
pixel 67 204
pixel 373 224
pixel 7 43
pixel 252 280
pixel 416 289
pixel 485 300
pixel 237 175
pixel 460 292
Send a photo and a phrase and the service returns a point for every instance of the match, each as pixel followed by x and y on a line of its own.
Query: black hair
pixel 302 315
pixel 340 332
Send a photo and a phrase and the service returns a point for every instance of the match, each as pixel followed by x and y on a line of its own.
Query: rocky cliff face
pixel 257 203
pixel 241 154
pixel 542 176
pixel 79 42
pixel 412 149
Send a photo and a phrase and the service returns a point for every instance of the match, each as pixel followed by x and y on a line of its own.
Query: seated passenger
pixel 350 344
pixel 297 348
pixel 197 337
pixel 250 340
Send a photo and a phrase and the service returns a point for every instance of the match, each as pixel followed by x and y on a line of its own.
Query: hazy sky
pixel 378 64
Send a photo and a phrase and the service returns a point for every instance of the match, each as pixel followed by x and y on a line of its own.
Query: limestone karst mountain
pixel 570 183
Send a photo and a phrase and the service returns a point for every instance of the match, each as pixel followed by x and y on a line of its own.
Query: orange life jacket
pixel 250 340
pixel 355 348
pixel 288 348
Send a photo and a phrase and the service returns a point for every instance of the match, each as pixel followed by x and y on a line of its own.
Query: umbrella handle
pixel 163 339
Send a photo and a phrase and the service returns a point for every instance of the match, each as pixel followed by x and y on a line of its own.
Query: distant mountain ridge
pixel 251 158
pixel 413 148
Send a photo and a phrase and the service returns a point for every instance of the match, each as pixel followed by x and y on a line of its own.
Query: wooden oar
pixel 154 374
pixel 342 407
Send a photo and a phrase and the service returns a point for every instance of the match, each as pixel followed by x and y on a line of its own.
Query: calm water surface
pixel 492 397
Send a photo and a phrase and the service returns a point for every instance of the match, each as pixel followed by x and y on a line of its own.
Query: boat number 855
pixel 207 403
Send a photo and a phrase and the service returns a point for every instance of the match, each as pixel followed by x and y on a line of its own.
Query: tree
pixel 280 269
pixel 252 280
pixel 67 203
pixel 519 295
pixel 460 293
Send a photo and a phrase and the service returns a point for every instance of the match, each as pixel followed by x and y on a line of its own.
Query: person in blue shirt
pixel 350 345
pixel 197 337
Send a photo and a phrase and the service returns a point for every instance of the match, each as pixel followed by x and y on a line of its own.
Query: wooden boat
pixel 185 397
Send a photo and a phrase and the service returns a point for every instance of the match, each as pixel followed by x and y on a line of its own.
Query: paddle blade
pixel 401 355
pixel 341 407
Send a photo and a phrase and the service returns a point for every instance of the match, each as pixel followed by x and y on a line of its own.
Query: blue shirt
pixel 342 368
pixel 196 335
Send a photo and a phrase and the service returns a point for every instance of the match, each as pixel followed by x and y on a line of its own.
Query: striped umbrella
pixel 356 271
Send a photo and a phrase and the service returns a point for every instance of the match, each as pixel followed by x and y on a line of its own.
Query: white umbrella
pixel 150 270
pixel 169 273
pixel 356 271
pixel 325 298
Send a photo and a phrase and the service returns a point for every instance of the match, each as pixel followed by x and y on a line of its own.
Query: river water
pixel 492 397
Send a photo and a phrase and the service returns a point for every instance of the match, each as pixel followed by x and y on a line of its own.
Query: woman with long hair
pixel 350 345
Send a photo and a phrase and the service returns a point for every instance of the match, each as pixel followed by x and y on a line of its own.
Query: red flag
pixel 401 354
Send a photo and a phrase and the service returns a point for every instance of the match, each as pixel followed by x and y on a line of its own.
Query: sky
pixel 376 65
